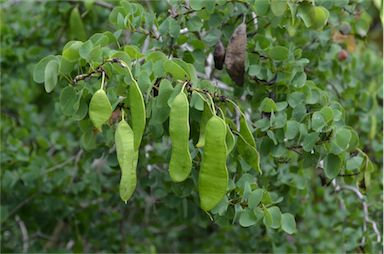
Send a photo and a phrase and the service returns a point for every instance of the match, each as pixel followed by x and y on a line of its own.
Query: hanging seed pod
pixel 235 55
pixel 219 55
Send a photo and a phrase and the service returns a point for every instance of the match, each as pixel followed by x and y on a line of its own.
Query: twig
pixel 24 233
pixel 219 83
pixel 367 220
pixel 21 204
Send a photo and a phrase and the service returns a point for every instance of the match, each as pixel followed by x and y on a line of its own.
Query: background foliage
pixel 59 181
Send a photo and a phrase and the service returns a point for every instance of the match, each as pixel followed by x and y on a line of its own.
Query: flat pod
pixel 124 140
pixel 213 176
pixel 235 55
pixel 137 107
pixel 205 116
pixel 180 164
pixel 100 109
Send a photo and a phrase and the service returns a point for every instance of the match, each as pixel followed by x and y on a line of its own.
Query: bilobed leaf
pixel 288 223
pixel 332 165
pixel 292 129
pixel 68 98
pixel 86 49
pixel 278 53
pixel 310 141
pixel 340 140
pixel 133 51
pixel 268 105
pixel 71 51
pixel 170 26
pixel 354 163
pixel 254 198
pixel 39 69
pixel 319 16
pixel 175 70
pixel 261 7
pixel 318 122
pixel 247 218
pixel 50 75
pixel 327 113
pixel 278 7
pixel 196 101
pixel 196 4
pixel 272 217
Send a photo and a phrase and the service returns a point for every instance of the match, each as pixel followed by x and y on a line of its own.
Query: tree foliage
pixel 289 123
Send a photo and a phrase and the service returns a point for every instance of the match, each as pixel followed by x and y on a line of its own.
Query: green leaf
pixel 304 13
pixel 76 26
pixel 254 198
pixel 133 51
pixel 319 17
pixel 299 79
pixel 68 98
pixel 327 114
pixel 278 53
pixel 268 105
pixel 194 24
pixel 310 141
pixel 354 163
pixel 175 70
pixel 295 99
pixel 85 49
pixel 340 140
pixel 261 7
pixel 196 4
pixel 50 75
pixel 196 101
pixel 272 217
pixel 318 122
pixel 247 218
pixel 292 129
pixel 39 69
pixel 332 165
pixel 170 26
pixel 278 7
pixel 288 223
pixel 71 51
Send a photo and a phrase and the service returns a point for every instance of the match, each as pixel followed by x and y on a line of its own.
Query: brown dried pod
pixel 235 56
pixel 219 55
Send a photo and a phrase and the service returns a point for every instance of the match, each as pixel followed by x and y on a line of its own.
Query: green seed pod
pixel 181 162
pixel 124 140
pixel 213 176
pixel 137 106
pixel 100 109
pixel 247 145
pixel 205 116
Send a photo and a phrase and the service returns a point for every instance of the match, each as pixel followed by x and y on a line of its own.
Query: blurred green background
pixel 57 197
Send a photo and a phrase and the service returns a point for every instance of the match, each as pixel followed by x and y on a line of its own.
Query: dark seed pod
pixel 235 55
pixel 219 55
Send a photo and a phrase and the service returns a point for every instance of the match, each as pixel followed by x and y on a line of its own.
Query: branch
pixel 24 233
pixel 367 220
pixel 97 2
pixel 219 83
